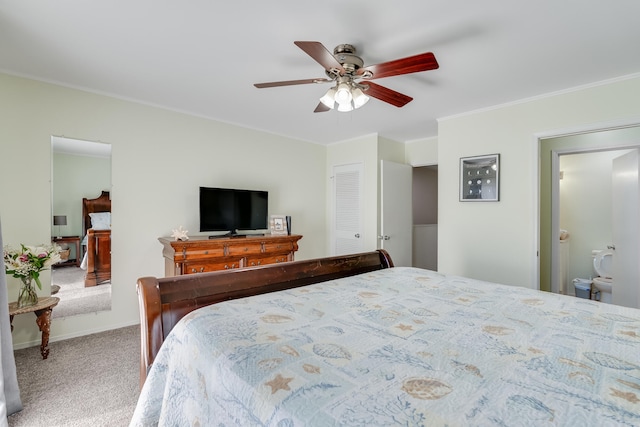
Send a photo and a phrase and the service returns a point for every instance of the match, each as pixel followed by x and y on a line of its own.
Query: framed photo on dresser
pixel 278 225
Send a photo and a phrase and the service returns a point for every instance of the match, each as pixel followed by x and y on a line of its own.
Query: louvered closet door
pixel 347 233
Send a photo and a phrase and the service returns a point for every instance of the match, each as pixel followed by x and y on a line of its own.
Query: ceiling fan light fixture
pixel 344 97
pixel 329 98
pixel 346 107
pixel 343 94
pixel 359 98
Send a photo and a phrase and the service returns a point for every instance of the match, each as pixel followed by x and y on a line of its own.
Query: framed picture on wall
pixel 480 178
pixel 278 225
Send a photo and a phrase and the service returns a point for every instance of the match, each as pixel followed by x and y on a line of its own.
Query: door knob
pixel 357 236
pixel 612 247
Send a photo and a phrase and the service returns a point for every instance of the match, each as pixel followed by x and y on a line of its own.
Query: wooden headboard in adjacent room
pixel 99 204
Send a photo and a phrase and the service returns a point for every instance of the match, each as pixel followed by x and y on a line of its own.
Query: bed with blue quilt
pixel 381 347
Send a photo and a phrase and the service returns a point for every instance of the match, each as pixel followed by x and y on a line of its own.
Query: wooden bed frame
pixel 98 241
pixel 163 302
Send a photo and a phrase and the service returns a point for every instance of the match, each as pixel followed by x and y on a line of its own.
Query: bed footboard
pixel 98 257
pixel 164 301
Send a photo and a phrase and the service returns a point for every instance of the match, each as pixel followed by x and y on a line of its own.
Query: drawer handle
pixel 226 266
pixel 202 270
pixel 193 270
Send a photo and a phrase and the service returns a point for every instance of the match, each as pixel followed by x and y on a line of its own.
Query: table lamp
pixel 59 220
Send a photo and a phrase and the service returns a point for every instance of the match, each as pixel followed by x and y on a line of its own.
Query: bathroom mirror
pixel 79 170
pixel 479 178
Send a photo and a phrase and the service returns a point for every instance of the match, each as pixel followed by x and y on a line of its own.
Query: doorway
pixel 425 217
pixel 584 211
pixel 605 138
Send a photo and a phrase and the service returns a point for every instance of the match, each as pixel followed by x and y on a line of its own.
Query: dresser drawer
pixel 203 267
pixel 194 253
pixel 244 249
pixel 270 259
pixel 284 247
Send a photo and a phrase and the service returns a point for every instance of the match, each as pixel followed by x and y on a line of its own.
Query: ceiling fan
pixel 352 79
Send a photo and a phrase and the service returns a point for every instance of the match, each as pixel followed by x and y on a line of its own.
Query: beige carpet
pixel 86 381
pixel 74 297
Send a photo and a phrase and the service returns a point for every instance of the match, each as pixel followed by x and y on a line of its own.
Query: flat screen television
pixel 233 210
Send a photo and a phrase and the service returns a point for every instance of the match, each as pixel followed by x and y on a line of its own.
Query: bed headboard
pixel 99 204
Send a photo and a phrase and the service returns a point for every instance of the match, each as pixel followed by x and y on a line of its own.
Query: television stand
pixel 200 254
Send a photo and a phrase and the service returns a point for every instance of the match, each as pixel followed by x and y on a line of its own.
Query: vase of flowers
pixel 26 264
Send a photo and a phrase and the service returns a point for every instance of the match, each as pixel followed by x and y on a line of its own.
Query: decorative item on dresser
pixel 201 254
pixel 278 225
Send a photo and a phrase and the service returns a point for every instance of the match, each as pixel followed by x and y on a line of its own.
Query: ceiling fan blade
pixel 411 64
pixel 321 108
pixel 291 83
pixel 387 95
pixel 317 51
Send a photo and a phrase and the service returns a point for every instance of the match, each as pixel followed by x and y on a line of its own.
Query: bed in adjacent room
pixel 96 243
pixel 355 341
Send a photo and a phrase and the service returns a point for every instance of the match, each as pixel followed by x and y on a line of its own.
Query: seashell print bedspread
pixel 401 346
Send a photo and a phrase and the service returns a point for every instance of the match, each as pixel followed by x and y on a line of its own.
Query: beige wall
pixel 422 152
pixel 159 159
pixel 497 241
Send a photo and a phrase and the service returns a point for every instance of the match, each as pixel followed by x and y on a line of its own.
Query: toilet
pixel 603 267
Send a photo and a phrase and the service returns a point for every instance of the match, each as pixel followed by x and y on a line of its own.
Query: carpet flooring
pixel 74 297
pixel 86 381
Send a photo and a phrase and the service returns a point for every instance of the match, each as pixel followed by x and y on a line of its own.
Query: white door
pixel 626 235
pixel 347 214
pixel 396 215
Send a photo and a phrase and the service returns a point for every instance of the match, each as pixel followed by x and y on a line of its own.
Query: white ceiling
pixel 202 57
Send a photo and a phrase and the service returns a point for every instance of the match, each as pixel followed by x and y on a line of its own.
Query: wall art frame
pixel 480 178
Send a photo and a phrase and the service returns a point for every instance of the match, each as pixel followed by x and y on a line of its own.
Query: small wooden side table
pixel 43 310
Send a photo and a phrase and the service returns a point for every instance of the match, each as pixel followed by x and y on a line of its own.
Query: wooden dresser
pixel 200 254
